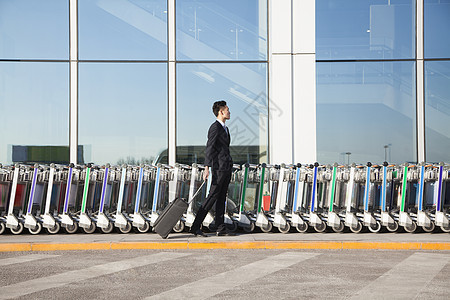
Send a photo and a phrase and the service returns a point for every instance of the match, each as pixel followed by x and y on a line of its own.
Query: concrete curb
pixel 336 245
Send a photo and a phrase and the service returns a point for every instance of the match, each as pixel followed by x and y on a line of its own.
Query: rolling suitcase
pixel 172 214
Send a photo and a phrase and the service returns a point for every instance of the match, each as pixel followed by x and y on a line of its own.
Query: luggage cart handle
pixel 198 191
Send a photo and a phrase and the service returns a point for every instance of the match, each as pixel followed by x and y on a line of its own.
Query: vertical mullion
pixel 420 102
pixel 171 81
pixel 73 117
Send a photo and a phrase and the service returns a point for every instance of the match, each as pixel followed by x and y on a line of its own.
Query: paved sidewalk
pixel 81 241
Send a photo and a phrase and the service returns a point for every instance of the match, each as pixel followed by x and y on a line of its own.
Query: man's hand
pixel 206 173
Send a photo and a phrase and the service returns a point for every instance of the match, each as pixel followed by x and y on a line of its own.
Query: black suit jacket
pixel 217 152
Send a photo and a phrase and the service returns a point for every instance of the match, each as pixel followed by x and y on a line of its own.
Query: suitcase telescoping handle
pixel 196 193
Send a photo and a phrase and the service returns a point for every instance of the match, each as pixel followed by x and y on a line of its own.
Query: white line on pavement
pixel 208 287
pixel 58 280
pixel 23 259
pixel 406 279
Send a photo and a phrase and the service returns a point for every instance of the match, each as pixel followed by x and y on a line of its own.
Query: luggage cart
pixel 387 190
pixel 121 218
pixel 263 220
pixel 372 217
pixel 196 179
pixel 33 220
pixel 5 189
pixel 407 197
pixel 425 204
pixel 442 197
pixel 68 215
pixel 334 215
pixel 20 191
pixel 85 220
pixel 148 179
pixel 352 220
pixel 245 206
pixel 56 187
pixel 161 192
pixel 284 200
pixel 297 216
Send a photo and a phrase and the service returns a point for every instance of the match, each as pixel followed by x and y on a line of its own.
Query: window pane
pixel 32 29
pixel 356 29
pixel 221 30
pixel 122 29
pixel 367 110
pixel 34 109
pixel 437 110
pixel 122 112
pixel 244 87
pixel 436 28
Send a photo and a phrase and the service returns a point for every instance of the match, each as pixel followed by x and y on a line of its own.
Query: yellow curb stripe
pixel 435 246
pixel 227 245
pixel 148 245
pixel 10 247
pixel 15 247
pixel 78 246
pixel 303 245
pixel 381 245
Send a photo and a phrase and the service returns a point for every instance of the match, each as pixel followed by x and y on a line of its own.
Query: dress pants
pixel 217 195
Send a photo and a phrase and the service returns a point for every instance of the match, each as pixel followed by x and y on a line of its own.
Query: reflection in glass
pixel 32 29
pixel 122 29
pixel 34 109
pixel 122 112
pixel 221 30
pixel 366 112
pixel 244 87
pixel 437 110
pixel 356 29
pixel 436 28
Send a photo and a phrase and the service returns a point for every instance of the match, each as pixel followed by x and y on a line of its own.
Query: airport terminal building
pixel 131 81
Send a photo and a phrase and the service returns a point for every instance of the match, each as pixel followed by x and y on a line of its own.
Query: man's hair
pixel 217 106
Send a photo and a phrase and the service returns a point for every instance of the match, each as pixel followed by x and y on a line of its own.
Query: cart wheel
pixel 267 228
pixel 250 228
pixel 285 229
pixel 108 228
pixel 36 230
pixel 411 228
pixel 55 229
pixel 91 228
pixel 320 227
pixel 2 227
pixel 340 228
pixel 18 230
pixel 357 228
pixel 144 228
pixel 72 228
pixel 375 227
pixel 126 229
pixel 445 229
pixel 233 227
pixel 179 227
pixel 302 228
pixel 392 227
pixel 429 228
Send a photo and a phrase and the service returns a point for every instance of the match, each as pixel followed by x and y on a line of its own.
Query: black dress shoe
pixel 198 232
pixel 225 232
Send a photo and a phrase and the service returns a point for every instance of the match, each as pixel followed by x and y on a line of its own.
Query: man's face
pixel 225 113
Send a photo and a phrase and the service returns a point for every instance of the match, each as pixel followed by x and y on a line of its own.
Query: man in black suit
pixel 217 157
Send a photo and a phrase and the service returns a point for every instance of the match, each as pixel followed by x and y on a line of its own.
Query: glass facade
pixel 122 112
pixel 122 30
pixel 34 29
pixel 221 30
pixel 436 28
pixel 366 112
pixel 34 109
pixel 437 109
pixel 366 81
pixel 122 78
pixel 244 87
pixel 365 29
